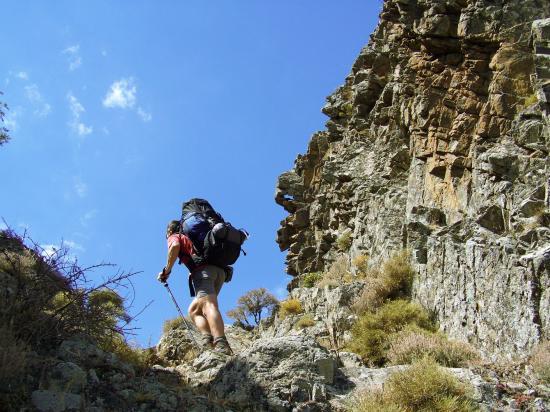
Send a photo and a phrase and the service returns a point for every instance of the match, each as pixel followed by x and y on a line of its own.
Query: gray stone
pixel 82 352
pixel 67 377
pixel 53 401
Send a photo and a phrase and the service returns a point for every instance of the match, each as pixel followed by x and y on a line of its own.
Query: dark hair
pixel 173 226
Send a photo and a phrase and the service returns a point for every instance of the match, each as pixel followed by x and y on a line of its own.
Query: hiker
pixel 205 281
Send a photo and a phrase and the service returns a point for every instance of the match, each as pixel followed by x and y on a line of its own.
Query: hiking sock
pixel 222 345
pixel 206 340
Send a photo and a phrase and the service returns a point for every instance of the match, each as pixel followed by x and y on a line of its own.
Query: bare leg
pixel 196 314
pixel 211 312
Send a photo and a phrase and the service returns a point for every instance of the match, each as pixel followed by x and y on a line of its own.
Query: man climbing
pixel 206 280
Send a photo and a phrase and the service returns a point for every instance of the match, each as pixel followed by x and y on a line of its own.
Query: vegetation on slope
pixel 49 299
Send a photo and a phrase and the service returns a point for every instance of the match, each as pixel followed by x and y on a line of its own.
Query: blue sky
pixel 119 111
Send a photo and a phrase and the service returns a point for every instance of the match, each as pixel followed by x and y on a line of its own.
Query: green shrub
pixel 290 307
pixel 309 280
pixel 344 241
pixel 393 281
pixel 540 361
pixel 305 321
pixel 372 332
pixel 413 344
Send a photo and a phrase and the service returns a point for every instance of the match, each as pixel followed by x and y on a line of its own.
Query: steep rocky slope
pixel 438 142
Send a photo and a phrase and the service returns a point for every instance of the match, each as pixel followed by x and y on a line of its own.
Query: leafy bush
pixel 309 280
pixel 252 304
pixel 372 332
pixel 393 281
pixel 305 321
pixel 338 273
pixel 96 313
pixel 413 344
pixel 540 361
pixel 290 307
pixel 51 298
pixel 422 387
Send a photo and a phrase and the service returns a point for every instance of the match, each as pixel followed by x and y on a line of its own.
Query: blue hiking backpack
pixel 215 241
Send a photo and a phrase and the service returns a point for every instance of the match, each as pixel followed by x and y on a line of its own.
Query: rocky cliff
pixel 438 142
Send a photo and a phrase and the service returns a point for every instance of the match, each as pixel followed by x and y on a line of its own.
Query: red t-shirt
pixel 186 247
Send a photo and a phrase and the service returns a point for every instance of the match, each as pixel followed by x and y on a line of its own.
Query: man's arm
pixel 173 252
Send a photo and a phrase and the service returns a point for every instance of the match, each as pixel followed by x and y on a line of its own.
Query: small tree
pixel 252 304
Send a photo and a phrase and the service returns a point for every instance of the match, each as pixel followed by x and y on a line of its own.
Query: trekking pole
pixel 181 314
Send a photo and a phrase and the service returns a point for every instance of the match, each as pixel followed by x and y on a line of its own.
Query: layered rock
pixel 438 142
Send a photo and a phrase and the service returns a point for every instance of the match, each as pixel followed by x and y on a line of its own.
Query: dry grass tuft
pixel 393 281
pixel 290 307
pixel 172 324
pixel 372 332
pixel 338 274
pixel 413 344
pixel 540 361
pixel 372 401
pixel 423 387
pixel 305 321
pixel 361 264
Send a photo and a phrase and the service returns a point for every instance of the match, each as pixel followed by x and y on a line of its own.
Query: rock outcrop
pixel 438 142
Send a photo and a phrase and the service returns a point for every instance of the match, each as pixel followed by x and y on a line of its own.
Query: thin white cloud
pixel 80 188
pixel 73 55
pixel 60 251
pixel 83 130
pixel 23 225
pixel 281 292
pixel 132 160
pixel 72 49
pixel 49 250
pixel 104 53
pixel 145 116
pixel 77 109
pixel 73 245
pixel 11 121
pixel 87 217
pixel 22 75
pixel 75 64
pixel 122 94
pixel 42 109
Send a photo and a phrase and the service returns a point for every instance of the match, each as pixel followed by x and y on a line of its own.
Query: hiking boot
pixel 221 345
pixel 206 341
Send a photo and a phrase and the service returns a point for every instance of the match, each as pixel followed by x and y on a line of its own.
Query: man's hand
pixel 163 276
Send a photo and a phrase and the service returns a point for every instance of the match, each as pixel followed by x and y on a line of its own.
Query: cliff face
pixel 438 142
